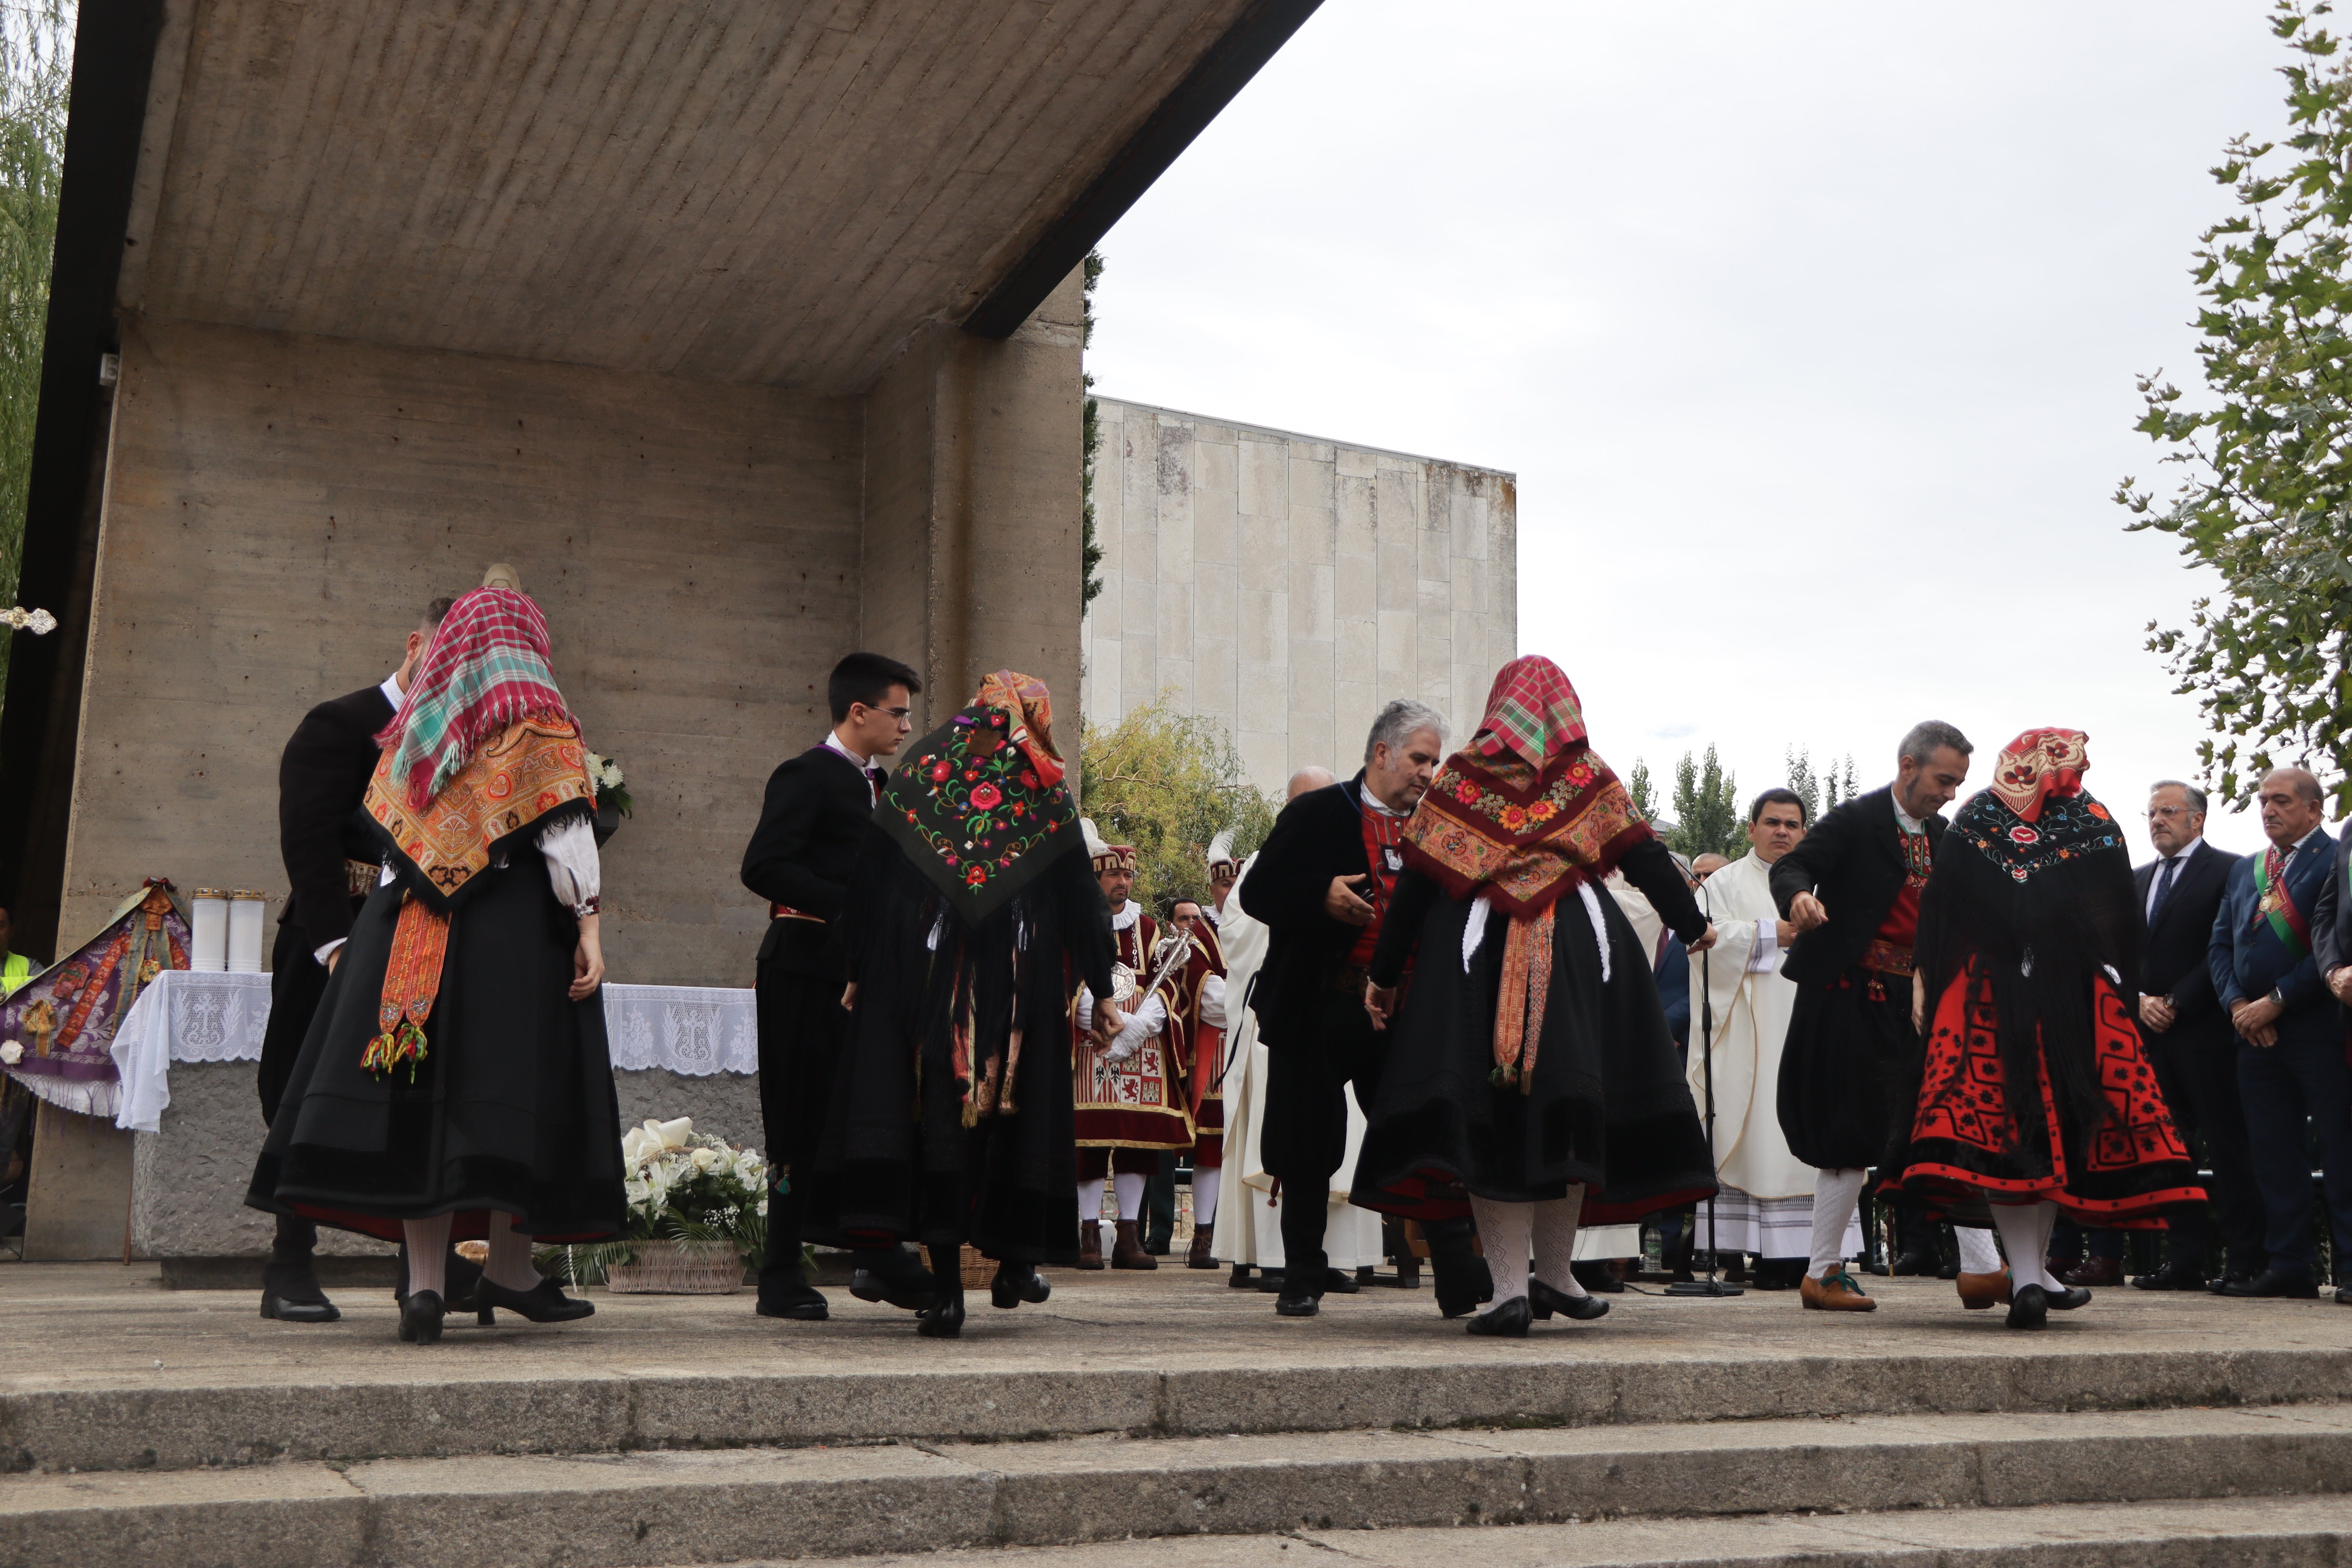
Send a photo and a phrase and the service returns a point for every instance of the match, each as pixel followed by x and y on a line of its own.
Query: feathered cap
pixel 1221 850
pixel 1104 857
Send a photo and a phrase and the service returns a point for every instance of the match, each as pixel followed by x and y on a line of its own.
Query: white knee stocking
pixel 1090 1201
pixel 1555 1225
pixel 1836 1195
pixel 1978 1254
pixel 1504 1230
pixel 509 1265
pixel 1130 1193
pixel 2027 1240
pixel 428 1254
pixel 1204 1196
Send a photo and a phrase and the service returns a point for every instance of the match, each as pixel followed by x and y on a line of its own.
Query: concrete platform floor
pixel 101 1326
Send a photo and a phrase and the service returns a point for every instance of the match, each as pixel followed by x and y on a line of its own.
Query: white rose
pixel 704 1159
pixel 12 1053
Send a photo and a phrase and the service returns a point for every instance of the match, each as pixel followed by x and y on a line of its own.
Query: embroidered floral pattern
pixel 975 799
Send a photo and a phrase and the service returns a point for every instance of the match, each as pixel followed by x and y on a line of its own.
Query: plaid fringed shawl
pixel 1520 817
pixel 487 669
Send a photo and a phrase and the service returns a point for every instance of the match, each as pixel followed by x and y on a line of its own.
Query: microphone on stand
pixel 1710 1286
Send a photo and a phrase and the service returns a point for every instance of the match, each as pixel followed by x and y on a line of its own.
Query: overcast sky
pixel 1809 330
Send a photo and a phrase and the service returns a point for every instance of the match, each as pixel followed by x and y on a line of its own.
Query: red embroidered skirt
pixel 1977 1136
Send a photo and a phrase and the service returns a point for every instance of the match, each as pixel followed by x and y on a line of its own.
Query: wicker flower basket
pixel 978 1272
pixel 666 1266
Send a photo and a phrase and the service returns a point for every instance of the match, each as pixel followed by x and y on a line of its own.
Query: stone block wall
pixel 1288 587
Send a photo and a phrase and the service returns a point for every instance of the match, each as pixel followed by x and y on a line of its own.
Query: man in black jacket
pixel 1852 890
pixel 818 809
pixel 1321 883
pixel 2189 1038
pixel 333 857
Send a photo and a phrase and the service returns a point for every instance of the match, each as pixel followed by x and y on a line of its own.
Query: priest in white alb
pixel 1766 1207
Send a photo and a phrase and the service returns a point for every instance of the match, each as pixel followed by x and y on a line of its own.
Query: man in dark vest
pixel 1321 883
pixel 332 857
pixel 819 807
pixel 2292 1076
pixel 2189 1039
pixel 1851 888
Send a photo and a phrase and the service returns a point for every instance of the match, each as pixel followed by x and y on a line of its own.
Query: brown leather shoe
pixel 2096 1271
pixel 1836 1293
pixel 1090 1245
pixel 1200 1256
pixel 1979 1291
pixel 1126 1247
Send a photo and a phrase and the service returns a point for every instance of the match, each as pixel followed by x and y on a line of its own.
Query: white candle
pixel 244 920
pixel 209 930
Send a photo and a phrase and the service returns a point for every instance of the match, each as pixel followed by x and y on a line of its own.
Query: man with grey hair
pixel 1851 888
pixel 2189 1040
pixel 2291 1077
pixel 1321 883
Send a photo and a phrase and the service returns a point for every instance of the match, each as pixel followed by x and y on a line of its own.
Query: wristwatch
pixel 2274 999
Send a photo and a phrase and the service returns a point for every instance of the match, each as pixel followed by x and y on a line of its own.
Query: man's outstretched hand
pixel 1805 912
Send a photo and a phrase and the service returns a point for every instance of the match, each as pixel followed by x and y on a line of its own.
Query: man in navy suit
pixel 2291 1062
pixel 2189 1040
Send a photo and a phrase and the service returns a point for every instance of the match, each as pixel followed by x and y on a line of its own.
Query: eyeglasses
pixel 2156 811
pixel 898 714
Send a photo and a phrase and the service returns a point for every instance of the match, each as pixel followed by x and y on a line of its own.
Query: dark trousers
pixel 2071 1243
pixel 800 1027
pixel 2281 1085
pixel 2201 1086
pixel 297 983
pixel 1306 1135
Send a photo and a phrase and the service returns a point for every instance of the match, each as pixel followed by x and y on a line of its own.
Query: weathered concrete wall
pixel 187 1196
pixel 279 507
pixel 1287 588
pixel 971 551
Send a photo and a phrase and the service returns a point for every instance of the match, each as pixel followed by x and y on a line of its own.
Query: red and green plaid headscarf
pixel 487 669
pixel 1530 710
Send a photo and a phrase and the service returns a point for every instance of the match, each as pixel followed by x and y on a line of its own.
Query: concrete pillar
pixel 970 553
pixel 78 1201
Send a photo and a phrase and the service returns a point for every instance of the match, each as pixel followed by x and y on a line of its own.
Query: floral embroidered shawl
pixel 981 809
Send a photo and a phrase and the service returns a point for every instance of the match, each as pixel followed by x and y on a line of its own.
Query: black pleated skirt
pixel 1607 1107
pixel 512 1107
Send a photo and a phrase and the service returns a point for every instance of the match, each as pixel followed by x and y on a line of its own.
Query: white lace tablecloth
pixel 187 1015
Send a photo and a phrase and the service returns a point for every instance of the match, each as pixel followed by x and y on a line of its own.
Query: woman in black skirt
pixel 1530 1077
pixel 974 916
pixel 455 1081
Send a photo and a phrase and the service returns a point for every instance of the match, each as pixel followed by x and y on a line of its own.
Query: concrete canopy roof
pixel 756 192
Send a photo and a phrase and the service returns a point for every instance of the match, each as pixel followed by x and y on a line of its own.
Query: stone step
pixel 2276 1532
pixel 678 1507
pixel 434 1406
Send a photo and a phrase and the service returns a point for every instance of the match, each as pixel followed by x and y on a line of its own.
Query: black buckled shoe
pixel 801 1302
pixel 1015 1283
pixel 2028 1306
pixel 285 1312
pixel 2284 1283
pixel 2171 1276
pixel 420 1318
pixel 1543 1301
pixel 1504 1321
pixel 893 1276
pixel 544 1302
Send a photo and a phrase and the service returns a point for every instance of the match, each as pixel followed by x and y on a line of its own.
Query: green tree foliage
pixel 1822 791
pixel 2266 498
pixel 1643 789
pixel 1168 783
pixel 1090 548
pixel 1708 816
pixel 35 69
